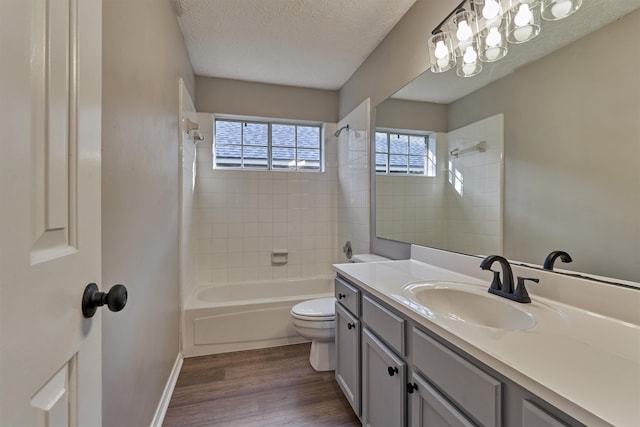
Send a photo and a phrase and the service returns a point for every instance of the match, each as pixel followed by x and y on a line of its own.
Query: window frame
pixel 429 135
pixel 269 122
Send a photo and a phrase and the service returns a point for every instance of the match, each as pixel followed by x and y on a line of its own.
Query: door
pixel 348 356
pixel 50 107
pixel 429 408
pixel 383 384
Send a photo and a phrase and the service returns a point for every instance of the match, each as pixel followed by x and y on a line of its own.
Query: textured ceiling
pixel 307 43
pixel 447 87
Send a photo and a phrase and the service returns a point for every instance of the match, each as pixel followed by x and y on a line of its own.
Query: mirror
pixel 570 105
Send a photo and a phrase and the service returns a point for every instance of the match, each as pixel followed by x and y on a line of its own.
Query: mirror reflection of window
pixel 405 153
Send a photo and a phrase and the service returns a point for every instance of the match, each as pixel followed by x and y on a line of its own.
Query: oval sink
pixel 468 306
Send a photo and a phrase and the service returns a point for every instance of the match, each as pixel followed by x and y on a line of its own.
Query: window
pixel 266 145
pixel 405 153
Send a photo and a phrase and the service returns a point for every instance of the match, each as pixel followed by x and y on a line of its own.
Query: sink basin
pixel 471 305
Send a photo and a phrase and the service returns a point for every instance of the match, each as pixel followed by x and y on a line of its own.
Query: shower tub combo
pixel 243 316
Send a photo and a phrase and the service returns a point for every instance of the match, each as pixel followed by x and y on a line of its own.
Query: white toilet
pixel 315 320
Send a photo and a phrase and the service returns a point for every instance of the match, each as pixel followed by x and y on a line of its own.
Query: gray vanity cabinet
pixel 428 408
pixel 396 372
pixel 348 356
pixel 383 384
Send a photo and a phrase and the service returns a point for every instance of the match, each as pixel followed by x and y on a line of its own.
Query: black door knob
pixel 392 370
pixel 340 296
pixel 351 325
pixel 411 387
pixel 115 299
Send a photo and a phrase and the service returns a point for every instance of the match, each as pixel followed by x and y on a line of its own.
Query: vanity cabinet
pixel 383 384
pixel 395 372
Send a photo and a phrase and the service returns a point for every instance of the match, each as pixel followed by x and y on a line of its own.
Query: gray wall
pixel 413 115
pixel 215 95
pixel 143 56
pixel 572 144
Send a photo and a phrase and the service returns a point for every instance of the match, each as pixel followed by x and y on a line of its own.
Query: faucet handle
pixel 521 292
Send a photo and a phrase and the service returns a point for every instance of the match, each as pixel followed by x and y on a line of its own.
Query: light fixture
pixel 478 31
pixel 441 52
pixel 554 10
pixel 523 22
pixel 493 43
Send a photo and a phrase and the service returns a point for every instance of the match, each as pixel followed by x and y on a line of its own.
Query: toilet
pixel 315 320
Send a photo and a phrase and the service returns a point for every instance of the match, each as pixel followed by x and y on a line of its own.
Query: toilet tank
pixel 368 258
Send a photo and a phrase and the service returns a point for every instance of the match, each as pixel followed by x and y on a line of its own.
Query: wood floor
pixel 266 387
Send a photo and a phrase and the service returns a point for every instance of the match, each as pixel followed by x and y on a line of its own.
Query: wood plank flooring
pixel 266 387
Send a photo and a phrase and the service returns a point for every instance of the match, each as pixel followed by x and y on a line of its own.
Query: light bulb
pixel 494 37
pixel 468 69
pixel 491 9
pixel 441 51
pixel 464 31
pixel 470 56
pixel 561 8
pixel 524 15
pixel 492 53
pixel 522 34
pixel 443 62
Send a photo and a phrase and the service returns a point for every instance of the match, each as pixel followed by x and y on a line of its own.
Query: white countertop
pixel 584 363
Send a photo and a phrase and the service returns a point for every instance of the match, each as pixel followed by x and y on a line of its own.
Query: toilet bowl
pixel 315 320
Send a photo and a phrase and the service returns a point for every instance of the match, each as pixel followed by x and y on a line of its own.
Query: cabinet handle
pixel 392 370
pixel 351 325
pixel 411 387
pixel 341 296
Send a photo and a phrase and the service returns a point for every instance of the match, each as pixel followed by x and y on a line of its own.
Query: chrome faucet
pixel 551 259
pixel 505 287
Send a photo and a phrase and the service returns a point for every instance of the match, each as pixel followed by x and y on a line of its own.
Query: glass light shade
pixel 493 43
pixel 523 23
pixel 469 65
pixel 463 27
pixel 554 10
pixel 488 11
pixel 441 52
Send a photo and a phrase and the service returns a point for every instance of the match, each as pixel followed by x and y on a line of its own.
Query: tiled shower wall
pixel 243 216
pixel 353 181
pixel 413 208
pixel 475 217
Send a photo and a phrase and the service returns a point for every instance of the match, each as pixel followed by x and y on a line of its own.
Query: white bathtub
pixel 243 316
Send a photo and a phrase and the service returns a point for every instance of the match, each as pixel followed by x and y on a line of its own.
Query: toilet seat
pixel 315 310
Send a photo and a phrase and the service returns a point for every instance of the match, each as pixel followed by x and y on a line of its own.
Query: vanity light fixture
pixel 478 31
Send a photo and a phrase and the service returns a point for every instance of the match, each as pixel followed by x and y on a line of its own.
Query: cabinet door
pixel 428 408
pixel 383 384
pixel 534 416
pixel 348 356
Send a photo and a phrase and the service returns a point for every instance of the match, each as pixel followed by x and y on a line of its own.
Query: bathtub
pixel 249 315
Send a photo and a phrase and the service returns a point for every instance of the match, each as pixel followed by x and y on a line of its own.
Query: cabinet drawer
pixel 479 394
pixel 386 325
pixel 348 296
pixel 535 416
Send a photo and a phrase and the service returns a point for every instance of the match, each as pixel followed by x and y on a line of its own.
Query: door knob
pixel 392 370
pixel 115 299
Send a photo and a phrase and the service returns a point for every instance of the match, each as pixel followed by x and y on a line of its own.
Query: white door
pixel 50 111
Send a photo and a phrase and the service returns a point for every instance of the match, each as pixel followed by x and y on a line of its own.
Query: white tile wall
pixel 475 217
pixel 428 211
pixel 413 208
pixel 353 187
pixel 242 216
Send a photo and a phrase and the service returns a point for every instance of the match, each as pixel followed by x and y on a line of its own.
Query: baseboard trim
pixel 163 405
